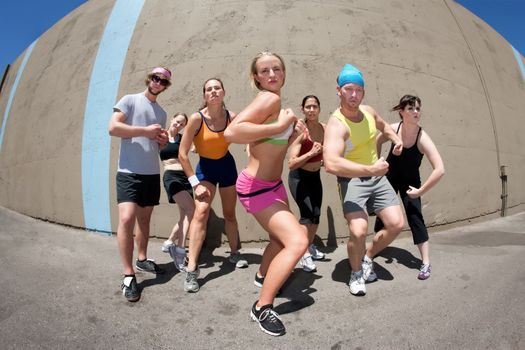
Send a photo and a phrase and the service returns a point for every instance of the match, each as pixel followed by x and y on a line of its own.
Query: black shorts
pixel 175 181
pixel 144 190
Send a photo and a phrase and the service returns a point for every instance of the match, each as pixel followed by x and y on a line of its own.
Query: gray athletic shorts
pixel 368 194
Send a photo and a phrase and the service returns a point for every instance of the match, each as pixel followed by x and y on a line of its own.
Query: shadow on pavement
pixel 402 256
pixel 297 290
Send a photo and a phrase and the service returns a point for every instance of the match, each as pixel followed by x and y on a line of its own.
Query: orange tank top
pixel 211 143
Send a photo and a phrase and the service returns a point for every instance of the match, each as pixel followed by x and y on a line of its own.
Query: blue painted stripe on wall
pixel 520 61
pixel 102 95
pixel 13 91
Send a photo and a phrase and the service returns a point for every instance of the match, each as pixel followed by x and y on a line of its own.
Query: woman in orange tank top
pixel 216 168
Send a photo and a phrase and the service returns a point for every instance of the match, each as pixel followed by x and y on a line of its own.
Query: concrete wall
pixel 58 163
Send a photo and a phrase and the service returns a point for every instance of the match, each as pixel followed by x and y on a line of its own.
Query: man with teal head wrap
pixel 350 153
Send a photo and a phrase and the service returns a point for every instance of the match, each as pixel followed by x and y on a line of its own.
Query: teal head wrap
pixel 350 74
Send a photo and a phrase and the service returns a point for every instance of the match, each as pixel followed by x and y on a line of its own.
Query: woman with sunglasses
pixel 268 130
pixel 178 190
pixel 216 168
pixel 304 180
pixel 403 173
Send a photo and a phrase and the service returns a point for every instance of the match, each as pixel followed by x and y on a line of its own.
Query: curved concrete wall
pixel 58 163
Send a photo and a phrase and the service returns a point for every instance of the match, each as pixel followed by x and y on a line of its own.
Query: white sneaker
pixel 316 254
pixel 307 263
pixel 357 283
pixel 166 246
pixel 178 254
pixel 237 259
pixel 368 269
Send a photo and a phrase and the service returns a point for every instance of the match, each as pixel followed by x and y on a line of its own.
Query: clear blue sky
pixel 22 21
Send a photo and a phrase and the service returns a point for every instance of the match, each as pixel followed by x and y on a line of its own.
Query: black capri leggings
pixel 414 215
pixel 307 191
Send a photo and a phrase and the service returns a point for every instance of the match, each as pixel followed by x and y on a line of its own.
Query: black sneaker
pixel 268 320
pixel 130 290
pixel 148 265
pixel 258 282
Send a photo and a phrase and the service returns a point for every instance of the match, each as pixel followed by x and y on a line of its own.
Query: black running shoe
pixel 130 290
pixel 148 265
pixel 268 320
pixel 258 282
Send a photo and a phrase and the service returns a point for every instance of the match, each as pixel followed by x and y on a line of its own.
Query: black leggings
pixel 414 215
pixel 307 191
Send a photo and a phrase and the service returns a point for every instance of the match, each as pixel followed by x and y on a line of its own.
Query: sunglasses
pixel 157 79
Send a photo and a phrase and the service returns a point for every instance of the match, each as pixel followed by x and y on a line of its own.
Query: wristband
pixel 194 181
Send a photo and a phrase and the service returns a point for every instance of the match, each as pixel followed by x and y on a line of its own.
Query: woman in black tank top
pixel 403 172
pixel 178 190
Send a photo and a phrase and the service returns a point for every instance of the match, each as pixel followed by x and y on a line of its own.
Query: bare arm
pixel 118 127
pixel 185 144
pixel 387 131
pixel 428 148
pixel 381 139
pixel 297 161
pixel 201 192
pixel 334 145
pixel 247 127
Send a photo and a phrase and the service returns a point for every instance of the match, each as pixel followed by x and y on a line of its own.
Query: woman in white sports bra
pixel 269 130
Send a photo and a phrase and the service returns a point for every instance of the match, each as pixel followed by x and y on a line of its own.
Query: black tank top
pixel 171 151
pixel 404 169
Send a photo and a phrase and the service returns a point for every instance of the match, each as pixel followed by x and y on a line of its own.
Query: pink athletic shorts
pixel 256 195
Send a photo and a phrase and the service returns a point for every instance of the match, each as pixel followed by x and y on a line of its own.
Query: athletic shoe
pixel 178 254
pixel 166 246
pixel 269 321
pixel 368 269
pixel 148 265
pixel 307 263
pixel 357 283
pixel 315 253
pixel 130 290
pixel 258 281
pixel 424 271
pixel 190 282
pixel 237 259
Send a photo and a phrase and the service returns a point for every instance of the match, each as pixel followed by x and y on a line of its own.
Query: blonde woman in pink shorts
pixel 269 130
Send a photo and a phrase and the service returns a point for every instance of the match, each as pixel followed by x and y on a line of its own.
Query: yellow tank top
pixel 210 143
pixel 361 145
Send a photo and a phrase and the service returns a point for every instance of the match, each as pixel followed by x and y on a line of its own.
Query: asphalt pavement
pixel 61 290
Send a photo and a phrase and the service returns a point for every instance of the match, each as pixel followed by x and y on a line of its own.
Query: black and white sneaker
pixel 269 321
pixel 130 290
pixel 258 281
pixel 148 265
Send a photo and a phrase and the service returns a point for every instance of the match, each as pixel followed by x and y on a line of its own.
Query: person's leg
pixel 126 224
pixel 286 232
pixel 197 229
pixel 300 188
pixel 229 201
pixel 417 225
pixel 424 251
pixel 356 247
pixel 142 230
pixel 392 218
pixel 186 208
pixel 358 226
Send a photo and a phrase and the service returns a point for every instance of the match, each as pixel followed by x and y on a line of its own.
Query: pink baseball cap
pixel 162 71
